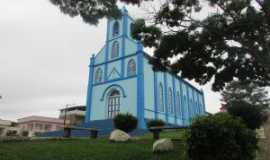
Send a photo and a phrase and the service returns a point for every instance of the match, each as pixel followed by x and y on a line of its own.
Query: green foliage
pixel 245 91
pixel 155 123
pixel 25 133
pixel 38 133
pixel 11 133
pixel 247 101
pixel 13 124
pixel 219 47
pixel 253 115
pixel 153 33
pixel 12 139
pixel 91 11
pixel 125 122
pixel 221 137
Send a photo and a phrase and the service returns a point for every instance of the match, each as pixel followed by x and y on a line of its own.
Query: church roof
pixel 168 69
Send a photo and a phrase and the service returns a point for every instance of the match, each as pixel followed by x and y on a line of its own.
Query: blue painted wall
pixel 140 93
pixel 189 103
pixel 128 98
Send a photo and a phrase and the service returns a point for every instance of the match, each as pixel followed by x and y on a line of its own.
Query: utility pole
pixel 65 117
pixel 67 130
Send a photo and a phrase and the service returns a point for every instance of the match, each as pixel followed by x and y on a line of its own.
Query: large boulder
pixel 163 145
pixel 119 136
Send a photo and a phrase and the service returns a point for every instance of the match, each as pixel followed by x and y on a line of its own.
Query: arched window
pixel 113 103
pixel 115 28
pixel 170 101
pixel 161 104
pixel 98 75
pixel 131 68
pixel 191 104
pixel 197 108
pixel 200 107
pixel 178 104
pixel 192 109
pixel 115 49
pixel 186 111
pixel 131 29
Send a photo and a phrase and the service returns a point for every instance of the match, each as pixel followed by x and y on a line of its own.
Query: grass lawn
pixel 140 148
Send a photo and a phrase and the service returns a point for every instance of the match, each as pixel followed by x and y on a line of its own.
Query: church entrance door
pixel 113 103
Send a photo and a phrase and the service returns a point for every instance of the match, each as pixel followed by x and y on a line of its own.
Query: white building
pixel 74 115
pixel 8 128
pixel 38 124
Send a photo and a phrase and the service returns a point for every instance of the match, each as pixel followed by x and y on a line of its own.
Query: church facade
pixel 122 80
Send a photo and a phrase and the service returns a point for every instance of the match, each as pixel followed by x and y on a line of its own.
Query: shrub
pixel 220 137
pixel 13 139
pixel 155 123
pixel 37 134
pixel 125 122
pixel 25 133
pixel 253 115
pixel 11 133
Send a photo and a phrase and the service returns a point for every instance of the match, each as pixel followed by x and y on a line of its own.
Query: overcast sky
pixel 44 57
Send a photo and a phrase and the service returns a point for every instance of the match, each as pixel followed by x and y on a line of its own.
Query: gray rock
pixel 163 145
pixel 119 136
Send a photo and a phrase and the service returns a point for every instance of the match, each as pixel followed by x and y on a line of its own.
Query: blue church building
pixel 121 80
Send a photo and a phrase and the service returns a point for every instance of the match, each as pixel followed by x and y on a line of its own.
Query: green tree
pixel 232 43
pixel 247 101
pixel 254 116
pixel 245 91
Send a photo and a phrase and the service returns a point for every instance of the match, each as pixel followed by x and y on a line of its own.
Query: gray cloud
pixel 44 57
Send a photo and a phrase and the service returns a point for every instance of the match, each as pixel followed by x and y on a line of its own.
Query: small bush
pixel 11 133
pixel 37 134
pixel 25 133
pixel 125 122
pixel 221 137
pixel 155 123
pixel 13 139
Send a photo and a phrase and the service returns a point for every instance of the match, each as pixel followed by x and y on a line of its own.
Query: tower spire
pixel 124 9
